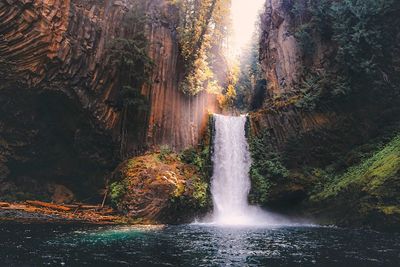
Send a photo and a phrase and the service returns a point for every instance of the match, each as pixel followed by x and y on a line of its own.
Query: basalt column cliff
pixel 60 88
pixel 330 110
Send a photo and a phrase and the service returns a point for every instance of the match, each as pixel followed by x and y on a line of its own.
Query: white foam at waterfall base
pixel 230 183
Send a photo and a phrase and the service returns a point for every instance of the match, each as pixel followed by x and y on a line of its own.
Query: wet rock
pixel 151 189
pixel 61 194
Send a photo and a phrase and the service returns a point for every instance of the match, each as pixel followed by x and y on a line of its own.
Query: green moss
pixel 370 174
pixel 117 191
pixel 197 200
pixel 200 193
pixel 260 187
pixel 390 210
pixel 165 151
pixel 200 158
pixel 385 168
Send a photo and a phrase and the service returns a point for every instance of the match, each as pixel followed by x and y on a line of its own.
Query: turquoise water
pixel 194 245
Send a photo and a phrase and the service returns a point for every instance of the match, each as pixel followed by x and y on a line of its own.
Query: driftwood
pixel 48 205
pixel 4 204
pixel 78 211
pixel 69 207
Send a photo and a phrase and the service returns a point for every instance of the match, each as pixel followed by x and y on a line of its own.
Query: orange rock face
pixel 174 119
pixel 150 187
pixel 62 45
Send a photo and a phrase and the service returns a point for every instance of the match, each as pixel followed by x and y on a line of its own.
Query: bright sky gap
pixel 244 15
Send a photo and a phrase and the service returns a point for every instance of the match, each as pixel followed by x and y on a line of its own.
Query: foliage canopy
pixel 365 62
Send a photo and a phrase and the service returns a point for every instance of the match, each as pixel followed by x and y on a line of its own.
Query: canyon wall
pixel 282 62
pixel 331 104
pixel 281 55
pixel 55 125
pixel 175 119
pixel 57 86
pixel 295 72
pixel 63 45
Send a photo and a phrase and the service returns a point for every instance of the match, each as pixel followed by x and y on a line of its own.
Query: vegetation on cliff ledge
pixel 266 169
pixel 165 186
pixel 370 189
pixel 370 174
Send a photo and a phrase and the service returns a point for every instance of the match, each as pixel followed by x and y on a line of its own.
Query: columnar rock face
pixel 281 57
pixel 62 45
pixel 287 61
pixel 283 63
pixel 175 119
pixel 290 122
pixel 55 125
pixel 279 51
pixel 57 81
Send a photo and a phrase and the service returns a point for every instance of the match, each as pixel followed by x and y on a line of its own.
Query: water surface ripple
pixel 194 245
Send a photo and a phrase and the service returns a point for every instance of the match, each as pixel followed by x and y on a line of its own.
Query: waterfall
pixel 230 183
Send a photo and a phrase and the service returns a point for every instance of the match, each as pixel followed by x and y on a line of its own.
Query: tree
pixel 251 85
pixel 201 32
pixel 365 64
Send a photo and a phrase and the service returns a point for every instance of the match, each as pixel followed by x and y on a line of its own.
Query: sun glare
pixel 244 15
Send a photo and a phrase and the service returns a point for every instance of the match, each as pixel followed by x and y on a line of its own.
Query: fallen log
pixel 4 204
pixel 14 208
pixel 48 205
pixel 82 206
pixel 95 214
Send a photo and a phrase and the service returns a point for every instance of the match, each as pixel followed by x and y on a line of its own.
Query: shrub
pixel 117 192
pixel 266 169
pixel 365 60
pixel 304 36
pixel 165 150
pixel 371 173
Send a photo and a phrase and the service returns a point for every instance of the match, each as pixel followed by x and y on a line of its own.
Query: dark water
pixel 194 245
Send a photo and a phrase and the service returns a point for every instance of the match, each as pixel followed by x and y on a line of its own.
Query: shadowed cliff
pixel 57 54
pixel 330 104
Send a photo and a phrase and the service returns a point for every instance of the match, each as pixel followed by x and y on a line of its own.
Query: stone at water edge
pixel 61 194
pixel 149 189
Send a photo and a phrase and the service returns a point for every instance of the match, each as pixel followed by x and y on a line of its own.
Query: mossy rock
pixel 158 188
pixel 367 194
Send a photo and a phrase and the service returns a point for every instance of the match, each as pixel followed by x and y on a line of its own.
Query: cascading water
pixel 230 183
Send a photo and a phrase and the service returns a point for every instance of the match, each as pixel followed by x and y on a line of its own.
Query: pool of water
pixel 194 245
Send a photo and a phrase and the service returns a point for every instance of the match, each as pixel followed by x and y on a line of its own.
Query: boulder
pixel 159 189
pixel 61 194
